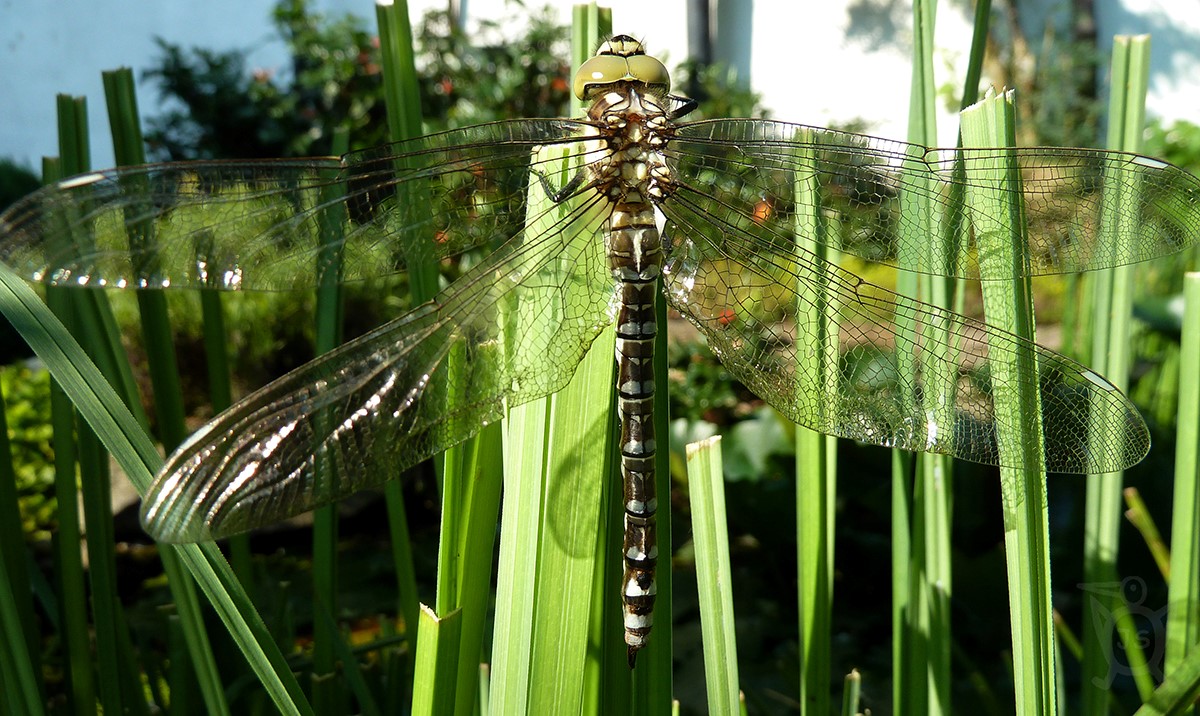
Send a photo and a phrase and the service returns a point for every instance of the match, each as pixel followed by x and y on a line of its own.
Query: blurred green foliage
pixel 335 82
pixel 225 111
pixel 718 91
pixel 26 394
pixel 490 76
pixel 1178 143
pixel 1158 302
pixel 701 388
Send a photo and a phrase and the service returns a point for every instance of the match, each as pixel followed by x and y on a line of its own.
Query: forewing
pixel 510 330
pixel 821 345
pixel 1150 208
pixel 260 224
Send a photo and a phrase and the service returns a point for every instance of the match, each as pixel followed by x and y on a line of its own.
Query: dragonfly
pixel 563 228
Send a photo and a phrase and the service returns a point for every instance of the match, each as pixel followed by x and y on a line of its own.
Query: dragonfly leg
pixel 567 191
pixel 683 106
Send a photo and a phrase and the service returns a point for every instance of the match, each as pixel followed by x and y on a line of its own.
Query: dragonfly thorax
pixel 633 125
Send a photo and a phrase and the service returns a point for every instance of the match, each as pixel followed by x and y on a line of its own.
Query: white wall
pixel 814 62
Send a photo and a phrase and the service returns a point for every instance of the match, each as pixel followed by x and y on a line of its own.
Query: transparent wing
pixel 260 224
pixel 510 330
pixel 821 345
pixel 749 167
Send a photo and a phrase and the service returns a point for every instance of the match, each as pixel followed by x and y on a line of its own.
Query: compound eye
pixel 645 68
pixel 607 69
pixel 600 70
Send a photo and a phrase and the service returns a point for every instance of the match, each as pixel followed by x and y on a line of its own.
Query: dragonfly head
pixel 620 59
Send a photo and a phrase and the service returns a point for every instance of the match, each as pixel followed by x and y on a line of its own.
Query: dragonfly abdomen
pixel 635 257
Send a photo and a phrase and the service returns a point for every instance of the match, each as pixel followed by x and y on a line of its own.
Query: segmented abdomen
pixel 635 257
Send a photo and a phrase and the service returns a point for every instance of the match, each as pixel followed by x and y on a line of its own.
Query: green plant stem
pixel 69 562
pixel 1139 516
pixel 327 689
pixel 1183 615
pixel 404 122
pixel 714 575
pixel 816 464
pixel 851 691
pixel 1111 311
pixel 438 656
pixel 1016 403
pixel 164 372
pixel 921 573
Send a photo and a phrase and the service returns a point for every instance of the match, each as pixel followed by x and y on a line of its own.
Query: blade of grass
pixel 215 339
pixel 1139 516
pixel 922 645
pixel 480 518
pixel 1183 591
pixel 816 463
pixel 351 671
pixel 156 327
pixel 933 496
pixel 96 490
pixel 851 693
pixel 485 690
pixel 906 696
pixel 558 458
pixel 118 678
pixel 471 480
pixel 392 668
pixel 1110 306
pixel 100 340
pixel 164 375
pixel 467 513
pixel 558 464
pixel 327 690
pixel 404 121
pixel 129 445
pixel 710 533
pixel 579 469
pixel 180 676
pixel 517 569
pixel 1178 693
pixel 1016 404
pixel 472 476
pixel 69 562
pixel 434 685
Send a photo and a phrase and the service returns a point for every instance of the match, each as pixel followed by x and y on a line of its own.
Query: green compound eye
pixel 606 69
